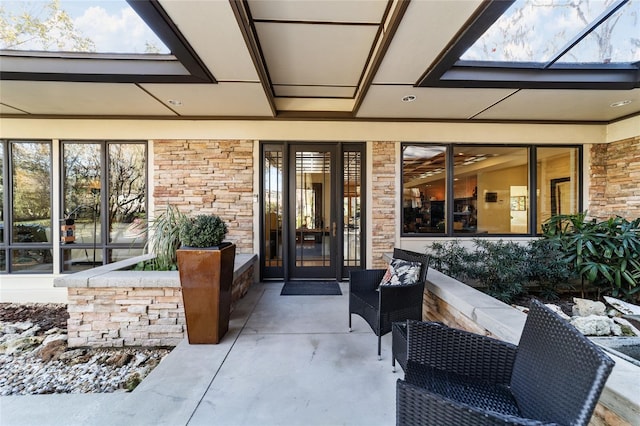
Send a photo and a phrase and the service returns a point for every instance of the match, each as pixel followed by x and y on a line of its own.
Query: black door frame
pixel 288 234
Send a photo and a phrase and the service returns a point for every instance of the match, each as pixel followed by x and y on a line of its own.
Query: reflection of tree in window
pixel 31 182
pixel 127 189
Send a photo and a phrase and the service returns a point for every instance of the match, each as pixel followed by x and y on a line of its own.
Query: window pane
pixel 423 192
pixel 80 259
pixel 127 193
pixel 555 22
pixel 351 207
pixel 273 206
pixel 557 180
pixel 31 192
pixel 78 26
pixel 491 190
pixel 82 178
pixel 614 41
pixel 31 261
pixel 2 214
pixel 117 255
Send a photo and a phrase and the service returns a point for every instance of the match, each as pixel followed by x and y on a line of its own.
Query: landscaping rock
pixel 622 306
pixel 595 325
pixel 585 307
pixel 34 358
pixel 558 310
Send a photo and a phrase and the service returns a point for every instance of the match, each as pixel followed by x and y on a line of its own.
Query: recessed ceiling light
pixel 620 103
pixel 409 98
pixel 175 102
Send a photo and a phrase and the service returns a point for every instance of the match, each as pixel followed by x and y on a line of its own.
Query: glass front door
pixel 311 210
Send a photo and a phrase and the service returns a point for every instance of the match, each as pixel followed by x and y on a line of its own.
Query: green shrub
pixel 605 253
pixel 548 269
pixel 502 268
pixel 203 230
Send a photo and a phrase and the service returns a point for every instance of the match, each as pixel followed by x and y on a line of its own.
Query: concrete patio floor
pixel 286 360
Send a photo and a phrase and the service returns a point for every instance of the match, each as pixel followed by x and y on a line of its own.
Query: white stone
pixel 626 323
pixel 585 307
pixel 622 306
pixel 558 310
pixel 593 325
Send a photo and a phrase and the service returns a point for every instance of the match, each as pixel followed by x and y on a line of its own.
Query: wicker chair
pixel 391 303
pixel 554 376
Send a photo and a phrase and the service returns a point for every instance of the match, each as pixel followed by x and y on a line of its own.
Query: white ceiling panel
pixel 436 103
pixel 315 91
pixel 425 30
pixel 564 105
pixel 223 99
pixel 361 11
pixel 304 54
pixel 66 98
pixel 212 30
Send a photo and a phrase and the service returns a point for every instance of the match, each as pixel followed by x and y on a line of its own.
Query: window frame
pixel 532 175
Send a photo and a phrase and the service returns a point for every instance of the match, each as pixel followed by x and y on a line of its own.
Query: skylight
pixel 545 44
pixel 76 26
pixel 540 30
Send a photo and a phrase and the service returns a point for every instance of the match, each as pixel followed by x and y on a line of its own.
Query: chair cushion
pixel 401 272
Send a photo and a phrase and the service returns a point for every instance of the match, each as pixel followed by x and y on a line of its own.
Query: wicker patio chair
pixel 391 303
pixel 554 376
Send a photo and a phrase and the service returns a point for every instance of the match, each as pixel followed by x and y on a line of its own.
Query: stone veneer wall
pixel 116 316
pixel 208 176
pixel 383 208
pixel 615 179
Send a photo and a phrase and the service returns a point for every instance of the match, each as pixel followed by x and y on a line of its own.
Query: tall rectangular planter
pixel 206 276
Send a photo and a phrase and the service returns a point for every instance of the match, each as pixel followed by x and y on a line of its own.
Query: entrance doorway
pixel 312 210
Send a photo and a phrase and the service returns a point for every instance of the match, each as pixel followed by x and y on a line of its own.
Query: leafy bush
pixel 605 253
pixel 503 269
pixel 204 230
pixel 454 260
pixel 548 269
pixel 500 267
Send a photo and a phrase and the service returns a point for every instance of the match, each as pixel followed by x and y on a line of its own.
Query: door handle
pixel 335 228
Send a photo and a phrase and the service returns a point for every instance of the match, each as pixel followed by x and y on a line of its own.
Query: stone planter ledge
pixel 111 307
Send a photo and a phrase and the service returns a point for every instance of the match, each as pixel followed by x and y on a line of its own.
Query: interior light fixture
pixel 409 98
pixel 175 102
pixel 620 103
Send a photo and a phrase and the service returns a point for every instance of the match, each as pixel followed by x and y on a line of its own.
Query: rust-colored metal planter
pixel 206 276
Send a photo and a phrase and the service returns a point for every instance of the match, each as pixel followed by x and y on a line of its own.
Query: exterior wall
pixel 615 179
pixel 383 205
pixel 208 176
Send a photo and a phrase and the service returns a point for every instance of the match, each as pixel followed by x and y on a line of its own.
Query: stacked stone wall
pixel 208 176
pixel 384 201
pixel 615 180
pixel 133 316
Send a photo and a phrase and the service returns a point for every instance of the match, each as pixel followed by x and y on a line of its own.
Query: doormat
pixel 311 288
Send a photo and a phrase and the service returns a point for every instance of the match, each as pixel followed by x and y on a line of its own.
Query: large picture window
pixel 459 190
pixel 25 210
pixel 104 196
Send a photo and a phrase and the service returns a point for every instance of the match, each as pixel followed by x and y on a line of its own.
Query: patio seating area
pixel 285 360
